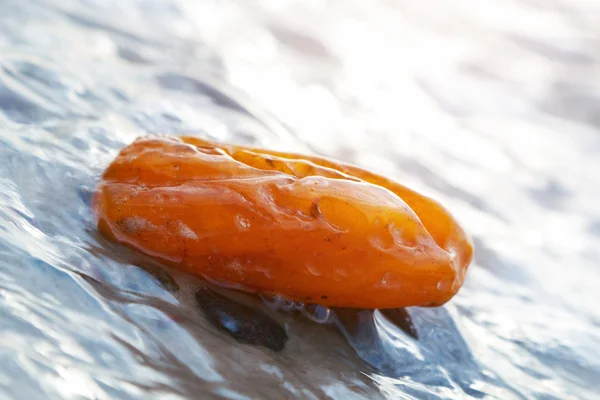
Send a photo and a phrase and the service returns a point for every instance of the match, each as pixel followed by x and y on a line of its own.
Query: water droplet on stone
pixel 313 270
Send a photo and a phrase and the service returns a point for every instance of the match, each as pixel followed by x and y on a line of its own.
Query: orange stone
pixel 308 228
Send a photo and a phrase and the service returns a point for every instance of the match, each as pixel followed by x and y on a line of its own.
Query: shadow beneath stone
pixel 245 324
pixel 402 319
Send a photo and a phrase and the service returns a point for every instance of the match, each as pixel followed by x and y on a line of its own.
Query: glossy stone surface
pixel 308 228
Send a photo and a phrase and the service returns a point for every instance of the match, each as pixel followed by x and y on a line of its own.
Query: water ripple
pixel 492 109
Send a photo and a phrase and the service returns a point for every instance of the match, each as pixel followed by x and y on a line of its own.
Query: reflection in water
pixel 490 108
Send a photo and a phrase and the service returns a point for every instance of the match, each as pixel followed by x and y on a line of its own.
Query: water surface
pixel 491 108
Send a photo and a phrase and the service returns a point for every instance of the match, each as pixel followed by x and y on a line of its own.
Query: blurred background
pixel 493 108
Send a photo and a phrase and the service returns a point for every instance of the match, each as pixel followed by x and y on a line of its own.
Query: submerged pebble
pixel 244 323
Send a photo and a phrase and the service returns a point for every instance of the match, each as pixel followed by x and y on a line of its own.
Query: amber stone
pixel 308 228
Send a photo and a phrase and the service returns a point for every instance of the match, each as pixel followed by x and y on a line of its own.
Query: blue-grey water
pixel 491 107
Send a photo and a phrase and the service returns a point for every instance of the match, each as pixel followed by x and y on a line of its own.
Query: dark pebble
pixel 245 324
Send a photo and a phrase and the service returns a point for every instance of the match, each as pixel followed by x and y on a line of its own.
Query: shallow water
pixel 493 109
